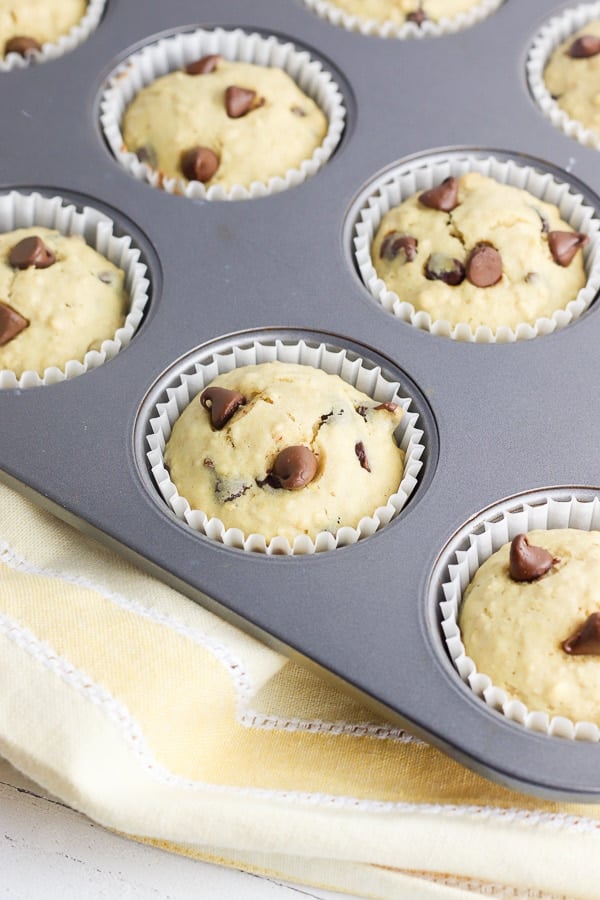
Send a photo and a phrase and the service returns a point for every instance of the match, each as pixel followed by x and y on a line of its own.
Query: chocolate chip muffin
pixel 272 448
pixel 472 250
pixel 59 298
pixel 224 123
pixel 25 25
pixel 530 620
pixel 572 76
pixel 401 11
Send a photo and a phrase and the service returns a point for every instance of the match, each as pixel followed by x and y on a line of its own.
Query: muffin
pixel 59 298
pixel 224 123
pixel 401 11
pixel 271 449
pixel 474 250
pixel 404 19
pixel 572 76
pixel 25 25
pixel 246 115
pixel 530 621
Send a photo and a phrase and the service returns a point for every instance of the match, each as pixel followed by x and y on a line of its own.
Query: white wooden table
pixel 48 850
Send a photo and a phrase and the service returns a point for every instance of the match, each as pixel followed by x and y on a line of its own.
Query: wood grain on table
pixel 48 850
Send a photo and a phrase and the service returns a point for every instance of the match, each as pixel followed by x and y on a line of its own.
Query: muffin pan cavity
pixel 184 49
pixel 547 512
pixel 187 380
pixel 31 209
pixel 488 416
pixel 424 173
pixel 416 23
pixel 556 30
pixel 26 53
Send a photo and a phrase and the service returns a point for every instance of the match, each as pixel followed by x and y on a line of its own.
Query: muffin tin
pixel 502 423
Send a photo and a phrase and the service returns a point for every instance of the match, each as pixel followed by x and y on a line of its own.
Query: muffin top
pixel 27 24
pixel 572 75
pixel 401 11
pixel 530 620
pixel 59 298
pixel 476 251
pixel 223 122
pixel 285 449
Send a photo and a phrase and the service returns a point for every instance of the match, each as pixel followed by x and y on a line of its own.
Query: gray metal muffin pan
pixel 499 419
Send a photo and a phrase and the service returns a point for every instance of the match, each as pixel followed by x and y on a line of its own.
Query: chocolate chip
pixel 528 562
pixel 12 323
pixel 418 17
pixel 484 266
pixel 397 244
pixel 361 455
pixel 199 164
pixel 388 405
pixel 238 101
pixel 532 277
pixel 229 489
pixel 443 197
pixel 204 66
pixel 222 404
pixel 294 468
pixel 298 111
pixel 31 251
pixel 543 220
pixel 236 494
pixel 444 268
pixel 584 46
pixel 586 640
pixel 565 244
pixel 22 44
pixel 147 154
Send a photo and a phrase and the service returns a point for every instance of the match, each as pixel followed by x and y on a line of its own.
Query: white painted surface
pixel 48 850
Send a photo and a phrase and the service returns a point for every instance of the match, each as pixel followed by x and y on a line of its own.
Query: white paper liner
pixel 176 51
pixel 419 175
pixel 340 17
pixel 553 33
pixel 65 43
pixel 499 529
pixel 354 371
pixel 19 210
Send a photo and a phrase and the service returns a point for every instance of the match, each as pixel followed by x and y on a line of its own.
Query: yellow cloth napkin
pixel 155 718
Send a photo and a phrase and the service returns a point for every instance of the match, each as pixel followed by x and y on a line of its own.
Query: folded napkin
pixel 156 719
